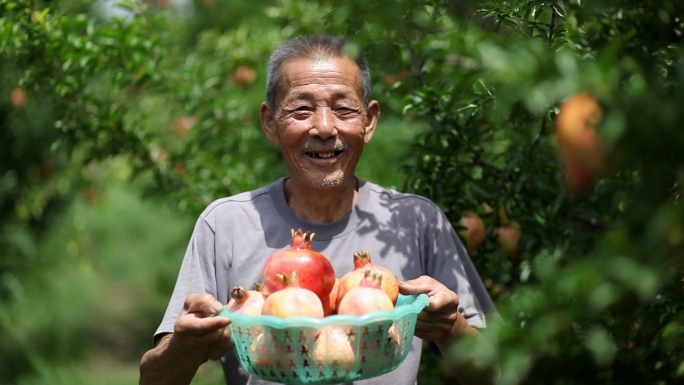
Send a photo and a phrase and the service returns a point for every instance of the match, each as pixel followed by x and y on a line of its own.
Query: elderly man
pixel 320 113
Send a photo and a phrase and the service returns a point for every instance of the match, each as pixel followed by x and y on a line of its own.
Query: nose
pixel 323 123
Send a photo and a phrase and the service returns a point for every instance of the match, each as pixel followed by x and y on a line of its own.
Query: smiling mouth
pixel 323 155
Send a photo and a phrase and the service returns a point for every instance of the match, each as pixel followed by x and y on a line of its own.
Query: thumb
pixel 412 287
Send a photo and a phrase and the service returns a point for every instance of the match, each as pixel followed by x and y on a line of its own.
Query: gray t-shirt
pixel 405 233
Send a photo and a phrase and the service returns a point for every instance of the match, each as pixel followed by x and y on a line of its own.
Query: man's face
pixel 320 121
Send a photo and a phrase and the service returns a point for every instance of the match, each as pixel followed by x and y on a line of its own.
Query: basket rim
pixel 411 304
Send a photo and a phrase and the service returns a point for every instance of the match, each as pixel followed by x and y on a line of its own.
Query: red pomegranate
pixel 366 297
pixel 314 270
pixel 330 302
pixel 18 97
pixel 363 263
pixel 577 177
pixel 509 237
pixel 292 301
pixel 244 76
pixel 245 301
pixel 474 233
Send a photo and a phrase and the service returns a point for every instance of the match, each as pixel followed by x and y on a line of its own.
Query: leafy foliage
pixel 594 294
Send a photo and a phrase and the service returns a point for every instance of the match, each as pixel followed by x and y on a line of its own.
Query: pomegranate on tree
pixel 292 301
pixel 474 233
pixel 366 297
pixel 245 301
pixel 509 237
pixel 578 141
pixel 362 264
pixel 18 97
pixel 244 76
pixel 314 270
pixel 577 177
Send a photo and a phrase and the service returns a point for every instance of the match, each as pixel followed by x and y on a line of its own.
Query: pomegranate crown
pixel 289 279
pixel 300 239
pixel 361 258
pixel 238 292
pixel 371 279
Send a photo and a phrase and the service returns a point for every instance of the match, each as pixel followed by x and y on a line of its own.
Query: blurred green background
pixel 120 122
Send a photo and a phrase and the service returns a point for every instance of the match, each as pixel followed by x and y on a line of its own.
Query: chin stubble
pixel 323 146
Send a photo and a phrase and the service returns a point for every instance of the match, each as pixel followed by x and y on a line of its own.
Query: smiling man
pixel 319 112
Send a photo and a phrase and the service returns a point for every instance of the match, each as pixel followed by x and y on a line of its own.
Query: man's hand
pixel 440 321
pixel 197 336
pixel 197 330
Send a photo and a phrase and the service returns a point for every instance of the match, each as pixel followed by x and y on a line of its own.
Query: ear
pixel 268 124
pixel 372 115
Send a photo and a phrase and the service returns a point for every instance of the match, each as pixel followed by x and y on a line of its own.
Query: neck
pixel 321 205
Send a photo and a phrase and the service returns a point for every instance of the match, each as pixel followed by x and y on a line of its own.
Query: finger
pixel 202 304
pixel 444 317
pixel 430 331
pixel 412 287
pixel 221 346
pixel 193 325
pixel 442 300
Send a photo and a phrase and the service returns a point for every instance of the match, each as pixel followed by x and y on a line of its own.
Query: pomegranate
pixel 314 270
pixel 292 301
pixel 576 131
pixel 262 351
pixel 577 177
pixel 330 302
pixel 18 97
pixel 509 236
pixel 474 233
pixel 392 342
pixel 366 297
pixel 243 76
pixel 245 301
pixel 333 349
pixel 363 263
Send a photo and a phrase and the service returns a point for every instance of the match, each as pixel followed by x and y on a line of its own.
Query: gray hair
pixel 315 47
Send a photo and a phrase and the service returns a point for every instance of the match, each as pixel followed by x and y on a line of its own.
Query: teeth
pixel 323 155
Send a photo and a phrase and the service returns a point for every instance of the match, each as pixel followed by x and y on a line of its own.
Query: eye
pixel 302 112
pixel 344 111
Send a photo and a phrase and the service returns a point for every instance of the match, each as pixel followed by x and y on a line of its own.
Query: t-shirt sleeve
pixel 197 273
pixel 448 262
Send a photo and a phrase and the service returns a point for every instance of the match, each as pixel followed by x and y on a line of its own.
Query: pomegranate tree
pixel 362 264
pixel 366 297
pixel 314 270
pixel 293 300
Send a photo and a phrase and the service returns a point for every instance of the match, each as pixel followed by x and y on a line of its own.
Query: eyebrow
pixel 336 95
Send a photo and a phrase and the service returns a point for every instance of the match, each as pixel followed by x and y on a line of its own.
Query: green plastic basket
pixel 337 348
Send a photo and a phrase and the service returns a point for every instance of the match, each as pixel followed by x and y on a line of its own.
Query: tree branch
pixel 552 25
pixel 592 221
pixel 415 61
pixel 496 170
pixel 538 138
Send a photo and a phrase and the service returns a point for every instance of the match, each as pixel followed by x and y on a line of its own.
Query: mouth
pixel 323 154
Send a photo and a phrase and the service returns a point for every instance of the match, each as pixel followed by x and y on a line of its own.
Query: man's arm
pixel 442 323
pixel 197 337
